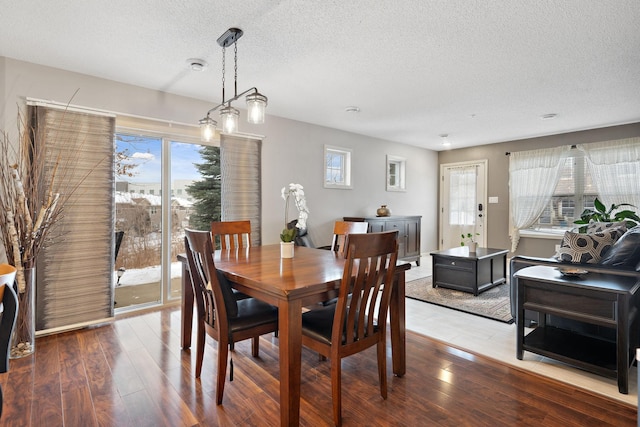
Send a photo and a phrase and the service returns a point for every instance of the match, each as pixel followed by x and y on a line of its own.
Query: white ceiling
pixel 481 71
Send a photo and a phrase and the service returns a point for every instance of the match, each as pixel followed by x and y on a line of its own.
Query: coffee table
pixel 473 272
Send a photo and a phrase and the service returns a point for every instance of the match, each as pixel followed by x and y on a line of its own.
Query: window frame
pixel 401 165
pixel 346 154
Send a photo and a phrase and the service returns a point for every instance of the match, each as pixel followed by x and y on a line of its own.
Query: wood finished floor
pixel 133 373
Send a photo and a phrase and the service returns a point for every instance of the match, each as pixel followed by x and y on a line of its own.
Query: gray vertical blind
pixel 240 164
pixel 75 268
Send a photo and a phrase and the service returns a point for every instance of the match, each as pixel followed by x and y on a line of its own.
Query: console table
pixel 474 272
pixel 408 232
pixel 601 299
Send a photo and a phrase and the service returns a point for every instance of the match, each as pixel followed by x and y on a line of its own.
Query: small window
pixel 396 173
pixel 337 167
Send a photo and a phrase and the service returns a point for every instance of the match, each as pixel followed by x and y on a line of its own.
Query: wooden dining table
pixel 312 276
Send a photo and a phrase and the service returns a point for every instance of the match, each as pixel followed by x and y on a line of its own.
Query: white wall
pixel 292 151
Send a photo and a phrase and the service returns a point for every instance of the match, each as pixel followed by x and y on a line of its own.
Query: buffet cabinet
pixel 408 228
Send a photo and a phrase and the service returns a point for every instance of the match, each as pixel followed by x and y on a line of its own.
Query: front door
pixel 463 194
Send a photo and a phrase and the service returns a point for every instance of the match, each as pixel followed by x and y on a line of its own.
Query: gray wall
pixel 498 179
pixel 292 151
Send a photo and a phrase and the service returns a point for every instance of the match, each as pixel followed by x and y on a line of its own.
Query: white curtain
pixel 533 176
pixel 615 170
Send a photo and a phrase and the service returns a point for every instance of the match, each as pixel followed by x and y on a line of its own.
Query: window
pixel 396 173
pixel 575 192
pixel 337 167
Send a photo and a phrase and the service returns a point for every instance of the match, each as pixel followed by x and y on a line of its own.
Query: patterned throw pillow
pixel 585 248
pixel 599 227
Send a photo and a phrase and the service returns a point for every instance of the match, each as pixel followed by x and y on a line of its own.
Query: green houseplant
pixel 471 243
pixel 600 213
pixel 470 237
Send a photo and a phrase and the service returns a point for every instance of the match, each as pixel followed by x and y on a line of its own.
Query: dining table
pixel 311 276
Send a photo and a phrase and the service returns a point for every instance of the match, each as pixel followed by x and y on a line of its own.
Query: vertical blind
pixel 75 268
pixel 240 165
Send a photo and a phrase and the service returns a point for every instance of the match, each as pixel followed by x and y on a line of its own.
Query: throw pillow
pixel 600 227
pixel 585 248
pixel 625 252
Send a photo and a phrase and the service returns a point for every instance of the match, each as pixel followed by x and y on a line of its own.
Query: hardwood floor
pixel 133 373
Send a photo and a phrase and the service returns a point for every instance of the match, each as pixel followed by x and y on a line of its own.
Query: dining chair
pixel 232 234
pixel 358 320
pixel 7 323
pixel 219 314
pixel 341 229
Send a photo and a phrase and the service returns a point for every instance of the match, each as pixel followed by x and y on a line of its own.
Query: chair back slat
pixel 232 234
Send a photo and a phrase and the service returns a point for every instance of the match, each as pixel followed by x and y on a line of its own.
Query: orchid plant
pixel 295 192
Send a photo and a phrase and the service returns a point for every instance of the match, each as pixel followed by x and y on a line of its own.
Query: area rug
pixel 492 303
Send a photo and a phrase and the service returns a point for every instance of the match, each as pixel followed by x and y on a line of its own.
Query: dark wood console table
pixel 601 299
pixel 408 227
pixel 473 272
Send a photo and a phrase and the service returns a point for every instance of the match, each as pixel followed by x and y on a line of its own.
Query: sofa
pixel 617 252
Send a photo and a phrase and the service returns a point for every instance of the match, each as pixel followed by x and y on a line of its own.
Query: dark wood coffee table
pixel 473 272
pixel 605 300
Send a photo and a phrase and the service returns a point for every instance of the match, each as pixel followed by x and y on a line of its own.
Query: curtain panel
pixel 615 170
pixel 75 267
pixel 533 176
pixel 241 195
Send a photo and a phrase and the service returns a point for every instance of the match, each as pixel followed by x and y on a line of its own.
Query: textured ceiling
pixel 481 71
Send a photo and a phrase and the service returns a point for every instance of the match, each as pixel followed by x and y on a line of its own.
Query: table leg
pixel 290 344
pixel 398 326
pixel 186 316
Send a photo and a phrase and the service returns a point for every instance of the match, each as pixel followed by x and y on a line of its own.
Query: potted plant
pixel 471 243
pixel 600 213
pixel 290 231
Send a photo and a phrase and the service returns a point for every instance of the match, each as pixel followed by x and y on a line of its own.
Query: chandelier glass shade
pixel 207 128
pixel 229 117
pixel 256 102
pixel 256 106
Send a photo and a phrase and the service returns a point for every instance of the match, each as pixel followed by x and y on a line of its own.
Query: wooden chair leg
pixel 223 354
pixel 336 390
pixel 255 346
pixel 382 367
pixel 200 340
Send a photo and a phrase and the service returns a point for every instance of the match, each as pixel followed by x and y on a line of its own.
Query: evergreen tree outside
pixel 206 192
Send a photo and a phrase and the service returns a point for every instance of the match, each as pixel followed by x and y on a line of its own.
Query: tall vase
pixel 23 340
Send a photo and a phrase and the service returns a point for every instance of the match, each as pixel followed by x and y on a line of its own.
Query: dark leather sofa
pixel 623 258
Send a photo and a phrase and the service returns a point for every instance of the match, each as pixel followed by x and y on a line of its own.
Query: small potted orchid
pixel 289 233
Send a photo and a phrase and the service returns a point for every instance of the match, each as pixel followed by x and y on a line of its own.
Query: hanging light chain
pixel 235 68
pixel 223 70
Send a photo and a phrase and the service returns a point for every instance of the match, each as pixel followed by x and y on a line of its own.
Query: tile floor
pixel 497 340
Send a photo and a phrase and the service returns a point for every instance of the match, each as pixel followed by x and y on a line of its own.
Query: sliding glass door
pixel 160 185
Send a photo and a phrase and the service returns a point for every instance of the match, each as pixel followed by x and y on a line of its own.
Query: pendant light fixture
pixel 256 102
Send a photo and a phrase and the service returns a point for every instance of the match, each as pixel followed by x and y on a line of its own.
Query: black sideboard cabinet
pixel 408 227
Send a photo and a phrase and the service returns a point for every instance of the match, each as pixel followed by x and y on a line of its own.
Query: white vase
pixel 286 249
pixel 472 247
